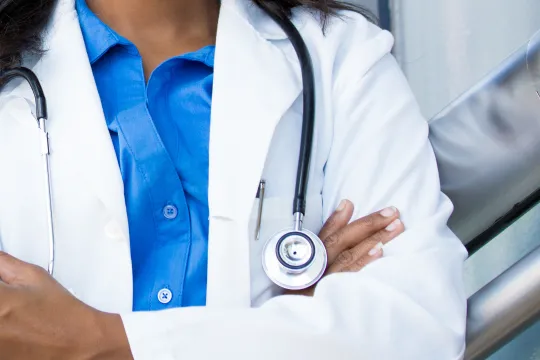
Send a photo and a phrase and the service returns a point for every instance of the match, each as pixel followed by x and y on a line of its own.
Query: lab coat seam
pixel 348 95
pixel 372 49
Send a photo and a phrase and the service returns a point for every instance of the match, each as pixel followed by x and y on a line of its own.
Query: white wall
pixel 445 46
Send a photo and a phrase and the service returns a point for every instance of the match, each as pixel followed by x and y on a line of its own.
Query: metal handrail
pixel 487 145
pixel 504 308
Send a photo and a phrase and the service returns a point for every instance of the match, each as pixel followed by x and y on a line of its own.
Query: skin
pixel 161 29
pixel 39 319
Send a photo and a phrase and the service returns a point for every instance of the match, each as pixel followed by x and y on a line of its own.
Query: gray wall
pixel 370 4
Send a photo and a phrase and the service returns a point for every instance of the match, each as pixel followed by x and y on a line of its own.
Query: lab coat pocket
pixel 276 216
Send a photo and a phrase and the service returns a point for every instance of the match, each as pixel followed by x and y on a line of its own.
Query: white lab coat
pixel 370 146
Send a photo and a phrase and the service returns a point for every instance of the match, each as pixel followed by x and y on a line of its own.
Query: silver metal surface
pixel 504 307
pixel 298 221
pixel 295 251
pixel 45 151
pixel 262 188
pixel 487 144
pixel 293 279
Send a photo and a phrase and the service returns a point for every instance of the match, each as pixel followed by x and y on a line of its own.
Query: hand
pixel 350 247
pixel 39 319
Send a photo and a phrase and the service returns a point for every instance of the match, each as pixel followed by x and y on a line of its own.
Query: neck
pixel 161 28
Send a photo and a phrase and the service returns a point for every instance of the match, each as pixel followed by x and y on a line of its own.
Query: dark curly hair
pixel 22 22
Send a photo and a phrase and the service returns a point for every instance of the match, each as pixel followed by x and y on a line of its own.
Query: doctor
pixel 154 194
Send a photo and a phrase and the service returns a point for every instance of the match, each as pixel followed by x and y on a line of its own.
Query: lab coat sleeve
pixel 408 305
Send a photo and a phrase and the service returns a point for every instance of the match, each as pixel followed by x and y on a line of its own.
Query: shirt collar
pixel 98 37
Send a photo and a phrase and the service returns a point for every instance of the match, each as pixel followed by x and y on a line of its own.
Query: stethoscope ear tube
pixel 308 119
pixel 41 116
pixel 33 81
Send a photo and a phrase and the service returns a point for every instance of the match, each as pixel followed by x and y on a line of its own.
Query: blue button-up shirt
pixel 160 131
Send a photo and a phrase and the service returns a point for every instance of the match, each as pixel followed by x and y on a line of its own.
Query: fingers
pixel 357 265
pixel 339 219
pixel 367 251
pixel 358 231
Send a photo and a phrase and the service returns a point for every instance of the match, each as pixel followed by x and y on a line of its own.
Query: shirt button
pixel 170 212
pixel 164 296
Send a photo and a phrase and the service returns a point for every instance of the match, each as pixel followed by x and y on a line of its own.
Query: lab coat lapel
pixel 255 83
pixel 81 147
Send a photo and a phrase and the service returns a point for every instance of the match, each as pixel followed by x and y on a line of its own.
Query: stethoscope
pixel 294 258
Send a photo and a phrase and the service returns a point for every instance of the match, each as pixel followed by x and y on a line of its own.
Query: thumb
pixel 339 219
pixel 12 270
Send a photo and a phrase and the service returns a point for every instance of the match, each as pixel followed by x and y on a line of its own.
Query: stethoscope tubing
pixel 308 117
pixel 28 75
pixel 41 116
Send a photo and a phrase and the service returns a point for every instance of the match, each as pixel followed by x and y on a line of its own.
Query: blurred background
pixel 445 47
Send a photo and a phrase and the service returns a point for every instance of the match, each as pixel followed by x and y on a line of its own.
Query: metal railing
pixel 487 144
pixel 504 308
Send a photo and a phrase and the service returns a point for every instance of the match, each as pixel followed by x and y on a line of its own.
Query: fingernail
pixel 389 212
pixel 377 249
pixel 342 205
pixel 393 225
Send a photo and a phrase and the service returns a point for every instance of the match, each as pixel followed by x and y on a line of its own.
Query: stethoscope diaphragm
pixel 294 259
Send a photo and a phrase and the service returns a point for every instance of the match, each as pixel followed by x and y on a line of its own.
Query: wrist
pixel 111 342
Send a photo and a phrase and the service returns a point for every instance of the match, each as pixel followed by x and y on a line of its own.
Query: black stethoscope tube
pixel 41 117
pixel 308 119
pixel 35 85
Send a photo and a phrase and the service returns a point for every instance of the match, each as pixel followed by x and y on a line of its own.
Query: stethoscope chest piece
pixel 294 259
